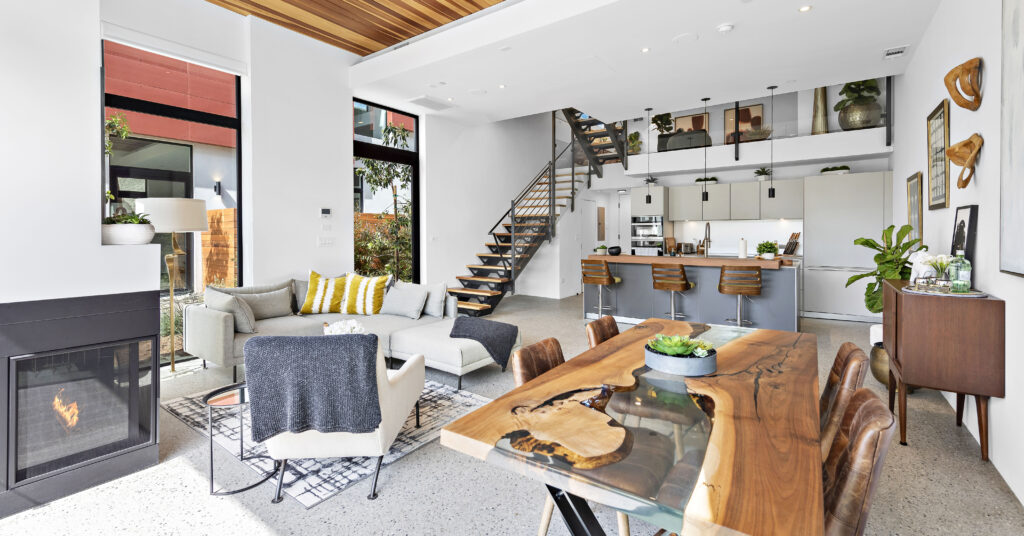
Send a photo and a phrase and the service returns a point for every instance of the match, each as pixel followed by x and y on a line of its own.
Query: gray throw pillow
pixel 300 287
pixel 245 321
pixel 436 293
pixel 405 300
pixel 451 307
pixel 269 304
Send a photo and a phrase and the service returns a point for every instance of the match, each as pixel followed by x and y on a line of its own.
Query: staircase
pixel 532 215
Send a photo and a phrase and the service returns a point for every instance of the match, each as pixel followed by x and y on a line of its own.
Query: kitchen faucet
pixel 707 238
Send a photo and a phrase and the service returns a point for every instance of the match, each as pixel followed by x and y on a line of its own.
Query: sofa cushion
pixel 439 349
pixel 255 289
pixel 364 295
pixel 323 294
pixel 282 325
pixel 383 326
pixel 245 321
pixel 435 304
pixel 269 304
pixel 299 289
pixel 405 300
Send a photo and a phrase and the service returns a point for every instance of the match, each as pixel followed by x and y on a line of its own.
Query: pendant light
pixel 771 168
pixel 649 180
pixel 704 194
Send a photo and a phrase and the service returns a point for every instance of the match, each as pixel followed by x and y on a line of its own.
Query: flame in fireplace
pixel 67 414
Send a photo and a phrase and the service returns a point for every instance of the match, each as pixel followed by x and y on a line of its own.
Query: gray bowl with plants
pixel 680 355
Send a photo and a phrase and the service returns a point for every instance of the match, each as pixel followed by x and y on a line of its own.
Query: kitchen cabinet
pixel 788 202
pixel 638 201
pixel 745 201
pixel 684 203
pixel 717 206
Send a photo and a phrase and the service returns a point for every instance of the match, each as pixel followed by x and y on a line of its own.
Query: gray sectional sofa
pixel 210 334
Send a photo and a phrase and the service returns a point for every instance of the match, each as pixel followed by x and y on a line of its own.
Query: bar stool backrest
pixel 596 272
pixel 740 280
pixel 670 277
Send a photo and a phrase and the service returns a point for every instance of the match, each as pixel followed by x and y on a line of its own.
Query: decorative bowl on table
pixel 680 355
pixel 614 251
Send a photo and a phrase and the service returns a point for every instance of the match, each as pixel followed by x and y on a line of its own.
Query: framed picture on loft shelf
pixel 751 124
pixel 938 163
pixel 965 226
pixel 915 206
pixel 693 123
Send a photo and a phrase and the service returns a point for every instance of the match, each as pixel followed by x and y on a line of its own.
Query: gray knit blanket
pixel 498 338
pixel 325 383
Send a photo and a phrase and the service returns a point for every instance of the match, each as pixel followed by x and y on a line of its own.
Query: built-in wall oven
pixel 648 235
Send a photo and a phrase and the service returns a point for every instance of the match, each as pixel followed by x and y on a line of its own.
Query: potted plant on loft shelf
pixel 663 124
pixel 892 260
pixel 767 249
pixel 635 144
pixel 835 170
pixel 681 355
pixel 762 173
pixel 859 107
pixel 127 229
pixel 709 180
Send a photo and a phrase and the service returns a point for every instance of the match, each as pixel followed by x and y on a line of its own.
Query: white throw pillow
pixel 436 293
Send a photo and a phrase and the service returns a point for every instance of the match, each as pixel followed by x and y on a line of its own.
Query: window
pixel 385 197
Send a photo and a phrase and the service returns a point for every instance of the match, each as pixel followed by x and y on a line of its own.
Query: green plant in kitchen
pixel 115 125
pixel 601 249
pixel 706 179
pixel 127 217
pixel 862 92
pixel 892 261
pixel 835 168
pixel 767 247
pixel 679 346
pixel 635 143
pixel 662 122
pixel 763 173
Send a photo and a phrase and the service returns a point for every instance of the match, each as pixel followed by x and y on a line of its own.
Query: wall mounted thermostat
pixel 325 213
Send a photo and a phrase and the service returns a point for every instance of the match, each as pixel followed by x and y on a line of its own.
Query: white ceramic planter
pixel 768 256
pixel 682 366
pixel 127 234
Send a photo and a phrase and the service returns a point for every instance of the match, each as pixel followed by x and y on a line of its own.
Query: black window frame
pixel 363 149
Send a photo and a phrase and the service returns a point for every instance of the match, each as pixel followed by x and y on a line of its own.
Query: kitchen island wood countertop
pixel 691 260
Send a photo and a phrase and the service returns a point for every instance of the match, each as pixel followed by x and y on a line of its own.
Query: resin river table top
pixel 734 452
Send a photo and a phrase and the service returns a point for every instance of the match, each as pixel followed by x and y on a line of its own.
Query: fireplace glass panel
pixel 77 405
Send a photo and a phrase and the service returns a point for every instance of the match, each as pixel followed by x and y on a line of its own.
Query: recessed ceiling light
pixel 501 86
pixel 805 9
pixel 450 99
pixel 725 27
pixel 644 50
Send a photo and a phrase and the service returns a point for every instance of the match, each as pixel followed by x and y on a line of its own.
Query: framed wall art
pixel 1011 166
pixel 938 163
pixel 693 123
pixel 915 205
pixel 751 123
pixel 965 226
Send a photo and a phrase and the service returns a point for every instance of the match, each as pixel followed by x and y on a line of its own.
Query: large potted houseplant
pixel 127 229
pixel 681 355
pixel 663 124
pixel 892 260
pixel 859 106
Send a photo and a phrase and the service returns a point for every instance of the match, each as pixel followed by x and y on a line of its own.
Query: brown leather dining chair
pixel 601 330
pixel 529 362
pixel 847 375
pixel 854 463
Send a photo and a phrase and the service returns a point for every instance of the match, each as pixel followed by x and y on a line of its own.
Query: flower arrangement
pixel 679 346
pixel 344 327
pixel 940 263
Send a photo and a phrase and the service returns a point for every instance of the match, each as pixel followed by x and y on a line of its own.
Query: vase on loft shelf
pixel 819 117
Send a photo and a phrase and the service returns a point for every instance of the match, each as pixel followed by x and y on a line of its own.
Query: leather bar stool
pixel 596 272
pixel 671 277
pixel 740 281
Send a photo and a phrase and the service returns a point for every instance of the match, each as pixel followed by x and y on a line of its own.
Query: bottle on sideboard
pixel 960 273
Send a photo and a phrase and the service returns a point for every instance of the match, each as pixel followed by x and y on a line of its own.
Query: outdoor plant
pixel 390 237
pixel 835 168
pixel 662 122
pixel 767 247
pixel 862 92
pixel 127 217
pixel 115 125
pixel 763 172
pixel 679 346
pixel 891 260
pixel 635 143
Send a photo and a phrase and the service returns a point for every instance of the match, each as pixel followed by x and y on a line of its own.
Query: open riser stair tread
pixel 483 293
pixel 474 306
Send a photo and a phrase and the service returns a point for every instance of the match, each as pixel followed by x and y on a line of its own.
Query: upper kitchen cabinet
pixel 684 203
pixel 745 201
pixel 788 202
pixel 717 207
pixel 638 201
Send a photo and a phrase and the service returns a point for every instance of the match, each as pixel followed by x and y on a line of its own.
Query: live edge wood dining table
pixel 734 452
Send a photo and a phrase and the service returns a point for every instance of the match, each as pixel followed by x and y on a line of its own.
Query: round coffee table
pixel 231 396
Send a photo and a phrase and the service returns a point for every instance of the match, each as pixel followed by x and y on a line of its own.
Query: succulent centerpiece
pixel 681 355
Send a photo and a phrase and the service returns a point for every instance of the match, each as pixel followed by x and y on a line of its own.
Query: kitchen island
pixel 635 300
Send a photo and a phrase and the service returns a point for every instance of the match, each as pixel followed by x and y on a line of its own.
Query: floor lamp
pixel 174 215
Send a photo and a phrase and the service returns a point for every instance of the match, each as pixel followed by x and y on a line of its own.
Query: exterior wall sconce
pixel 216 186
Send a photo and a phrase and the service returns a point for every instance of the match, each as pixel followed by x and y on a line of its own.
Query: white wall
pixel 469 175
pixel 917 93
pixel 50 160
pixel 300 150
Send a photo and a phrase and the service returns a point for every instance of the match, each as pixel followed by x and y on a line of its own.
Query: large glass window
pixel 184 141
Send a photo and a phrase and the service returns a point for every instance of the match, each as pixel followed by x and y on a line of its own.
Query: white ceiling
pixel 587 54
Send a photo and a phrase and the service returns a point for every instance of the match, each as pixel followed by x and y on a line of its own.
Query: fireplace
pixel 82 378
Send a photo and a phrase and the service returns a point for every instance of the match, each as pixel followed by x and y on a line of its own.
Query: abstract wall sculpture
pixel 968 73
pixel 965 155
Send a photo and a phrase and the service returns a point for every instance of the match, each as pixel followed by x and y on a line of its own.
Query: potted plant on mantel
pixel 767 249
pixel 859 107
pixel 681 355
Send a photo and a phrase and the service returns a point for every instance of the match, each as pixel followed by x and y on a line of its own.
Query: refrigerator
pixel 837 210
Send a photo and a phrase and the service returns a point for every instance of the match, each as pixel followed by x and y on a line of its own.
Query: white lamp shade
pixel 174 214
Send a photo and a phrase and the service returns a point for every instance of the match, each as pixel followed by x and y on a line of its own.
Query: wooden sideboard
pixel 945 343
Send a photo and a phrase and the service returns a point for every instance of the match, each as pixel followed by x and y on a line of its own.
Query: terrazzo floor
pixel 936 485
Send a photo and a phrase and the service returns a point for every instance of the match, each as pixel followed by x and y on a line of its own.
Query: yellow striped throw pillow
pixel 364 295
pixel 325 294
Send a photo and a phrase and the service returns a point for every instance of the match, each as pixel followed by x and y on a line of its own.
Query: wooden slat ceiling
pixel 359 26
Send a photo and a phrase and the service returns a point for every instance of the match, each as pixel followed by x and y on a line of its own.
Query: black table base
pixel 578 516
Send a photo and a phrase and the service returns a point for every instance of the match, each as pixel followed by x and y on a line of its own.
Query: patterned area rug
pixel 313 481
